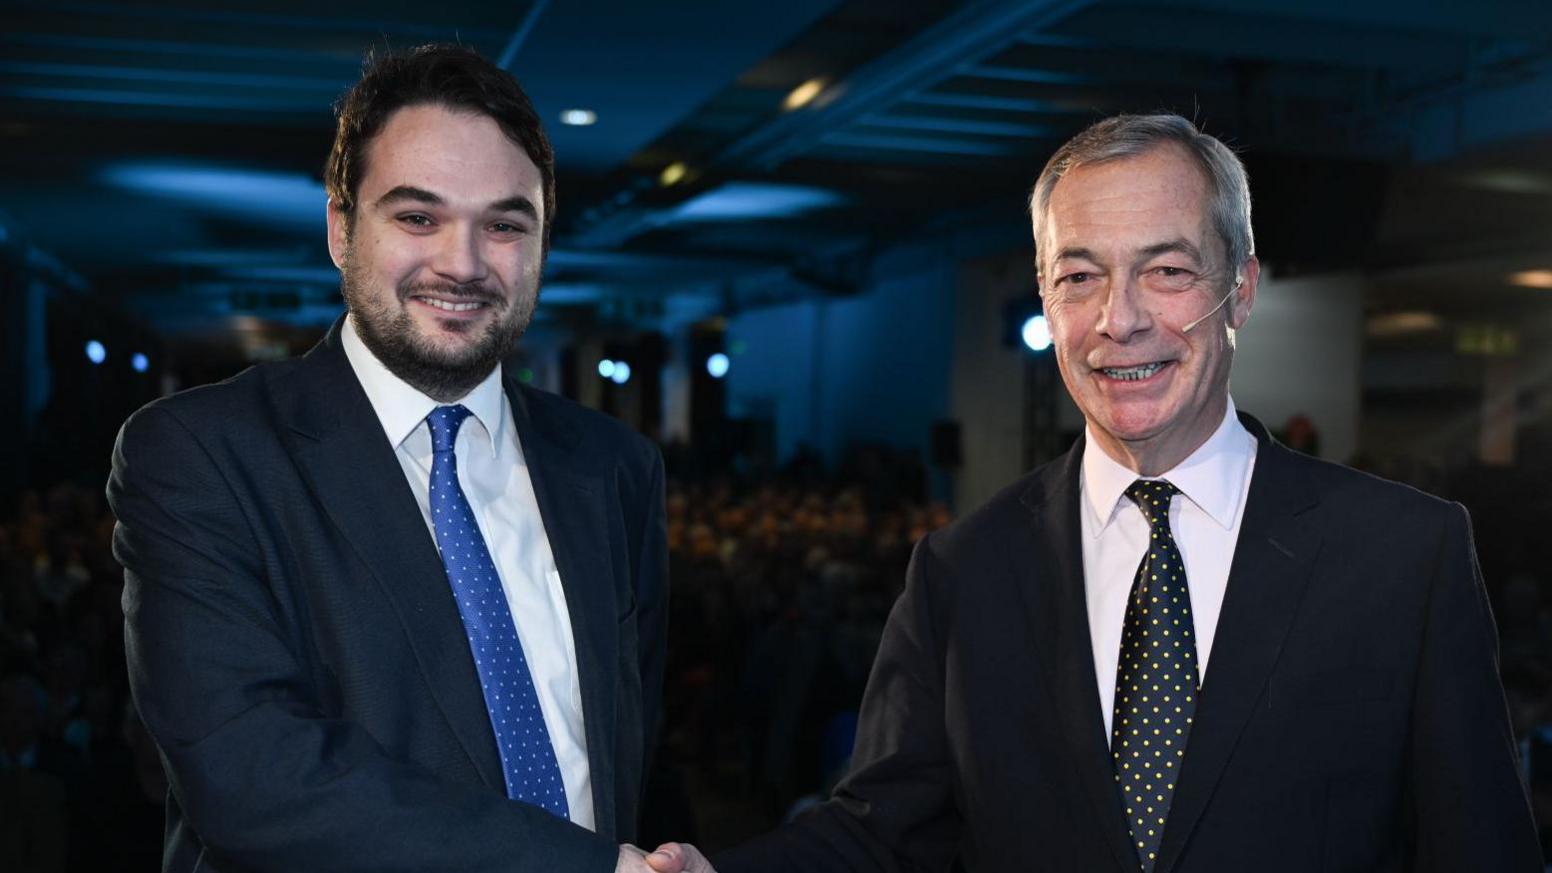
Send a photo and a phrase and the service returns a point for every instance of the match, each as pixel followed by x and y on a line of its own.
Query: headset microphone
pixel 1238 281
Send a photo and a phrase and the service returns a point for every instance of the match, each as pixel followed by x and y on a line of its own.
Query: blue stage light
pixel 140 362
pixel 1036 333
pixel 606 368
pixel 95 352
pixel 717 365
pixel 621 373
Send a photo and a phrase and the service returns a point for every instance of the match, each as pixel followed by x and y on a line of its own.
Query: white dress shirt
pixel 1204 518
pixel 494 477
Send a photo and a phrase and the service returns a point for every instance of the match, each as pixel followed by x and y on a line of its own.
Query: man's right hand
pixel 678 858
pixel 631 860
pixel 668 858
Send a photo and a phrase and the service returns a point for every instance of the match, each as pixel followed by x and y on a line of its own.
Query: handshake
pixel 667 858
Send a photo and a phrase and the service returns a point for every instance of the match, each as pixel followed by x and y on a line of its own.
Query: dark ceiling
pixel 167 154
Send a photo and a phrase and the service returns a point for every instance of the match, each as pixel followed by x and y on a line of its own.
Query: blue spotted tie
pixel 1156 679
pixel 527 757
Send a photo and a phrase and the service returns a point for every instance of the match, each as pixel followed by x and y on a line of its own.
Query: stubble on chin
pixel 444 374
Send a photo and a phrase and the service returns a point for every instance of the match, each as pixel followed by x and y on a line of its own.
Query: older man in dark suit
pixel 388 608
pixel 1182 647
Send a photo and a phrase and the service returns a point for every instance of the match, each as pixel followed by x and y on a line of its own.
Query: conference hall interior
pixel 792 247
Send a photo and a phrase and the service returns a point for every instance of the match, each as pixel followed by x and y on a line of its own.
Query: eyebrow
pixel 1181 246
pixel 412 194
pixel 1076 252
pixel 516 203
pixel 409 193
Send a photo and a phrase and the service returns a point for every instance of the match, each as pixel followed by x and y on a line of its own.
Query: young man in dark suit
pixel 388 608
pixel 1182 647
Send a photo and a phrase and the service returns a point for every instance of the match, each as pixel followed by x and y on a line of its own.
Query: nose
pixel 1123 313
pixel 459 257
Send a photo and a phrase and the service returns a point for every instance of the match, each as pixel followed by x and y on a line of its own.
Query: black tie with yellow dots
pixel 1156 678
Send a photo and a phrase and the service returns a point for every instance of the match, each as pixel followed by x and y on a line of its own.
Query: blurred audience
pixel 782 584
pixel 781 589
pixel 81 786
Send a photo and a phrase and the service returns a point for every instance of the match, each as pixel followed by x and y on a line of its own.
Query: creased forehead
pixel 1144 200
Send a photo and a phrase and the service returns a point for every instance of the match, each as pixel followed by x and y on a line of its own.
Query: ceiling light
pixel 578 117
pixel 1394 324
pixel 803 94
pixel 743 200
pixel 1509 180
pixel 1532 279
pixel 672 174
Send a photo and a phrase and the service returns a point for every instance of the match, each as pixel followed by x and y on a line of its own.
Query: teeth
pixel 1132 374
pixel 450 307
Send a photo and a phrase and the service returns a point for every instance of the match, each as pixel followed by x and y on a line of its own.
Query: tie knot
pixel 444 422
pixel 1152 497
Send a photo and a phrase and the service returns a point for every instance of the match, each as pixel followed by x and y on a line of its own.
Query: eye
pixel 1075 278
pixel 507 228
pixel 1167 277
pixel 415 219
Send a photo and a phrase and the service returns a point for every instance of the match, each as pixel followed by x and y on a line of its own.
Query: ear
pixel 339 233
pixel 1245 294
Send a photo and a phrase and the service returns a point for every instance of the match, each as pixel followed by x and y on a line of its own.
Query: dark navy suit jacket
pixel 296 652
pixel 1351 720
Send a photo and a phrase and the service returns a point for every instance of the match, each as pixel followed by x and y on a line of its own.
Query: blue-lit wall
pixel 873 367
pixel 773 369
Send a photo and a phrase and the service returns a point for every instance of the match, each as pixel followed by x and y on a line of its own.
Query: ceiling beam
pixel 520 35
pixel 1505 19
pixel 1031 75
pixel 105 72
pixel 940 124
pixel 111 96
pixel 351 24
pixel 992 102
pixel 967 35
pixel 99 45
pixel 1279 39
pixel 924 144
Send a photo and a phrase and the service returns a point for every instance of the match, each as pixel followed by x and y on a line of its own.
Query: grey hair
pixel 1128 136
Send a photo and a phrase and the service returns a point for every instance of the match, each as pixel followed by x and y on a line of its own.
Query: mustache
pixel 472 291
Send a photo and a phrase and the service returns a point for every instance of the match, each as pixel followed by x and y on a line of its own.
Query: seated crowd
pixel 781 587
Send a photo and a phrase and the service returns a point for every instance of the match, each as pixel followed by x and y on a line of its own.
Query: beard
pixel 443 374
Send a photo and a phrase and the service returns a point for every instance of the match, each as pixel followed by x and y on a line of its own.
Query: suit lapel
pixel 356 477
pixel 573 505
pixel 1058 616
pixel 1267 579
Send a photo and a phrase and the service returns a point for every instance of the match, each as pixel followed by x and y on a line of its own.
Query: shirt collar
pixel 401 408
pixel 1212 477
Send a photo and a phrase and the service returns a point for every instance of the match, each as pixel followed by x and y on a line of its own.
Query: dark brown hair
pixel 438 74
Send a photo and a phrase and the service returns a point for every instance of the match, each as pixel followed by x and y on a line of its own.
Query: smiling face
pixel 1128 262
pixel 442 258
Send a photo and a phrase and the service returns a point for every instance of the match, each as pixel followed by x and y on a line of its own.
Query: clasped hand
pixel 667 858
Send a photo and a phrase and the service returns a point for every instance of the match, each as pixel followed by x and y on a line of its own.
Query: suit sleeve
pixel 895 810
pixel 652 611
pixel 1469 804
pixel 264 779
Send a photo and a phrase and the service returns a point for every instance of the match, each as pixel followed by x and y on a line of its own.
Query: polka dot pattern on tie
pixel 1156 680
pixel 527 756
